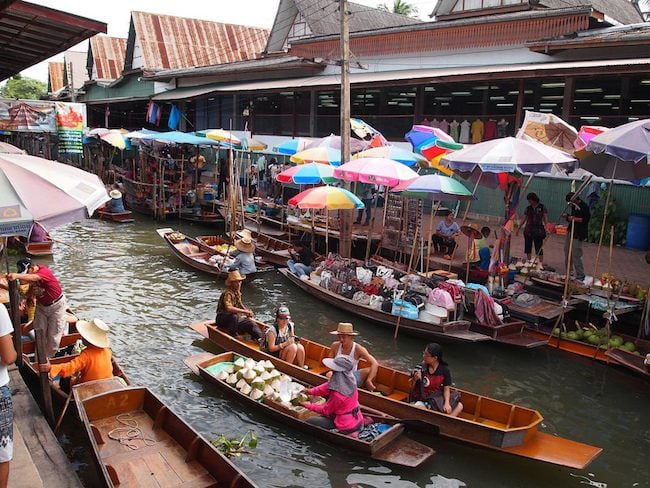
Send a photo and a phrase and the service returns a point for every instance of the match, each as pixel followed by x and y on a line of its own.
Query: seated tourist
pixel 280 339
pixel 444 240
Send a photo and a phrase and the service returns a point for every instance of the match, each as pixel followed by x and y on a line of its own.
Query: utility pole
pixel 345 216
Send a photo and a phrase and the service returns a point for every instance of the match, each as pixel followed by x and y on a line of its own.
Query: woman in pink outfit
pixel 341 411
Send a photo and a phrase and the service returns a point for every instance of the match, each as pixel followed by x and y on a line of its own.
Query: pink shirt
pixel 47 289
pixel 337 405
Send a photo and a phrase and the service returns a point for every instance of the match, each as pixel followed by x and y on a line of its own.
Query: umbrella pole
pixel 180 185
pixel 313 232
pixel 408 271
pixel 327 225
pixel 383 222
pixel 469 244
pixel 602 226
pixel 370 227
pixel 434 211
pixel 44 377
pixel 469 205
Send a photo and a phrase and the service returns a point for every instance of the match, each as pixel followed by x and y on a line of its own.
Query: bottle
pixel 490 284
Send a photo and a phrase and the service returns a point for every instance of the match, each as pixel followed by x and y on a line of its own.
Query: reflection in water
pixel 126 275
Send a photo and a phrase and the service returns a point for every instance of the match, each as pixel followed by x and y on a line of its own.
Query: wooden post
pixel 408 271
pixel 345 216
pixel 602 226
pixel 434 211
pixel 14 297
pixel 44 377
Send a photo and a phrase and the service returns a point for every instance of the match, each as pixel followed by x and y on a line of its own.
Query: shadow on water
pixel 126 275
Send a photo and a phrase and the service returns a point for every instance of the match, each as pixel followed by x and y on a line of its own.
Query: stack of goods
pixel 262 382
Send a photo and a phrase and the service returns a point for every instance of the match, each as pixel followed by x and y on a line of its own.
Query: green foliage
pixel 613 218
pixel 400 7
pixel 25 88
pixel 233 447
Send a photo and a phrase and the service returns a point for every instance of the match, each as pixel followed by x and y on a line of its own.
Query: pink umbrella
pixel 586 134
pixel 379 171
pixel 334 142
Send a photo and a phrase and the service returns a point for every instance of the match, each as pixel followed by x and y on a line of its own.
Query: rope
pixel 132 432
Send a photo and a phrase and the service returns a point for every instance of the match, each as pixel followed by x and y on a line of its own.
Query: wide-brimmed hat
pixel 244 233
pixel 245 244
pixel 94 331
pixel 115 194
pixel 339 363
pixel 234 276
pixel 345 328
pixel 472 231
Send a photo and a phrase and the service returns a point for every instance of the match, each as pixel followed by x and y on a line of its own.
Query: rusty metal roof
pixel 54 76
pixel 159 42
pixel 106 57
pixel 31 33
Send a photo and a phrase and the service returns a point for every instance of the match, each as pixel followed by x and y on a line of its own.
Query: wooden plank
pixel 160 469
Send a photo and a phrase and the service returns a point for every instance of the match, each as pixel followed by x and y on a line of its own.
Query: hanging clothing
pixel 444 126
pixel 502 128
pixel 478 128
pixel 464 132
pixel 454 130
pixel 490 130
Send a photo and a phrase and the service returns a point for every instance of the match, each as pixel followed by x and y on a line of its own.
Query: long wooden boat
pixel 389 446
pixel 43 248
pixel 125 217
pixel 205 217
pixel 197 255
pixel 138 441
pixel 65 355
pixel 484 421
pixel 456 331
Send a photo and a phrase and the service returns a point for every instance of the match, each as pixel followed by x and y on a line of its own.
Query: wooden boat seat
pixel 318 369
pixel 400 396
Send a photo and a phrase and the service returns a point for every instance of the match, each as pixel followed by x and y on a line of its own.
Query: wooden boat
pixel 484 421
pixel 153 446
pixel 205 217
pixel 389 446
pixel 457 331
pixel 197 255
pixel 119 217
pixel 637 362
pixel 67 342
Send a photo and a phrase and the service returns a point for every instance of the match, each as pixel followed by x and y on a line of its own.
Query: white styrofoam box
pixel 431 317
pixel 430 307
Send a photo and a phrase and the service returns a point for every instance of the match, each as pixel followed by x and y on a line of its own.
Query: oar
pixel 74 248
pixel 44 376
pixel 65 409
pixel 406 285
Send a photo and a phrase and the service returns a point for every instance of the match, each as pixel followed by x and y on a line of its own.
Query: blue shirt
pixel 115 206
pixel 244 262
pixel 447 230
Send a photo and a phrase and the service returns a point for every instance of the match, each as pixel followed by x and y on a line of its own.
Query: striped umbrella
pixel 308 174
pixel 395 153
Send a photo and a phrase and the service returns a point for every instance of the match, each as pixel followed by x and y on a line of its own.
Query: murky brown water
pixel 126 275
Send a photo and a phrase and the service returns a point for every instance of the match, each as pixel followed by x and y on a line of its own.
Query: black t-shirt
pixel 304 256
pixel 581 229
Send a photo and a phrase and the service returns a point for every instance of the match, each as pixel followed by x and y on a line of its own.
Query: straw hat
pixel 472 231
pixel 244 233
pixel 94 331
pixel 115 194
pixel 245 244
pixel 345 328
pixel 234 276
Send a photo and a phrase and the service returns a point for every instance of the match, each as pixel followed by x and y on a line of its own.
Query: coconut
pixel 222 375
pixel 256 394
pixel 229 369
pixel 258 383
pixel 269 365
pixel 232 379
pixel 259 368
pixel 250 375
pixel 240 373
pixel 266 376
pixel 250 363
pixel 239 364
pixel 240 384
pixel 246 389
pixel 274 373
pixel 268 391
pixel 275 384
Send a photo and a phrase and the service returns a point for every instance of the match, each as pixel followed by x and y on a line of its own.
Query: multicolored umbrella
pixel 334 142
pixel 378 171
pixel 586 134
pixel 115 137
pixel 395 153
pixel 629 142
pixel 367 133
pixel 549 129
pixel 34 189
pixel 437 187
pixel 319 154
pixel 308 174
pixel 222 135
pixel 327 197
pixel 424 135
pixel 292 146
pixel 251 145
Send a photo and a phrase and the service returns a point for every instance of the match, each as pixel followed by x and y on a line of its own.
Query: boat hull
pixel 125 217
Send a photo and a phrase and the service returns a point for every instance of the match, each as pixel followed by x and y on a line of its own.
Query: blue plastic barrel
pixel 638 232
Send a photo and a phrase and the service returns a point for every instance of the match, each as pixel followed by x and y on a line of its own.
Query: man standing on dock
pixel 51 305
pixel 578 216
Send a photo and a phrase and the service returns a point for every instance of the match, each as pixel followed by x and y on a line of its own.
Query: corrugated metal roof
pixel 107 56
pixel 75 61
pixel 54 77
pixel 168 42
pixel 437 74
pixel 31 33
pixel 614 36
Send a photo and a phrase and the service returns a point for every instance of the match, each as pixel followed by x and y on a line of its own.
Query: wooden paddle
pixel 406 285
pixel 44 376
pixel 65 409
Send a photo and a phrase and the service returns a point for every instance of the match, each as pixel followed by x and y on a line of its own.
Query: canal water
pixel 126 275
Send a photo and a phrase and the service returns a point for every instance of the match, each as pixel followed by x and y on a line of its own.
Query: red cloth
pixel 490 130
pixel 47 289
pixel 337 406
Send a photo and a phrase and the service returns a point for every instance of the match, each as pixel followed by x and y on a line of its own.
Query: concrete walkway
pixel 39 461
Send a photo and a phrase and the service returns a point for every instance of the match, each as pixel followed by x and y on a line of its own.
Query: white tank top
pixel 354 360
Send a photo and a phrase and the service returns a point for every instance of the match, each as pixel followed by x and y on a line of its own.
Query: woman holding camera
pixel 430 383
pixel 281 341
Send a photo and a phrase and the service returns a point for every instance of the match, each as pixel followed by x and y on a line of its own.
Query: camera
pixel 417 369
pixel 296 339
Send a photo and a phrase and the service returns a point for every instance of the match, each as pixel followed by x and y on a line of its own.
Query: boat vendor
pixel 346 346
pixel 50 315
pixel 245 260
pixel 115 205
pixel 341 411
pixel 301 260
pixel 280 339
pixel 232 315
pixel 94 362
pixel 535 220
pixel 444 240
pixel 578 215
pixel 430 383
